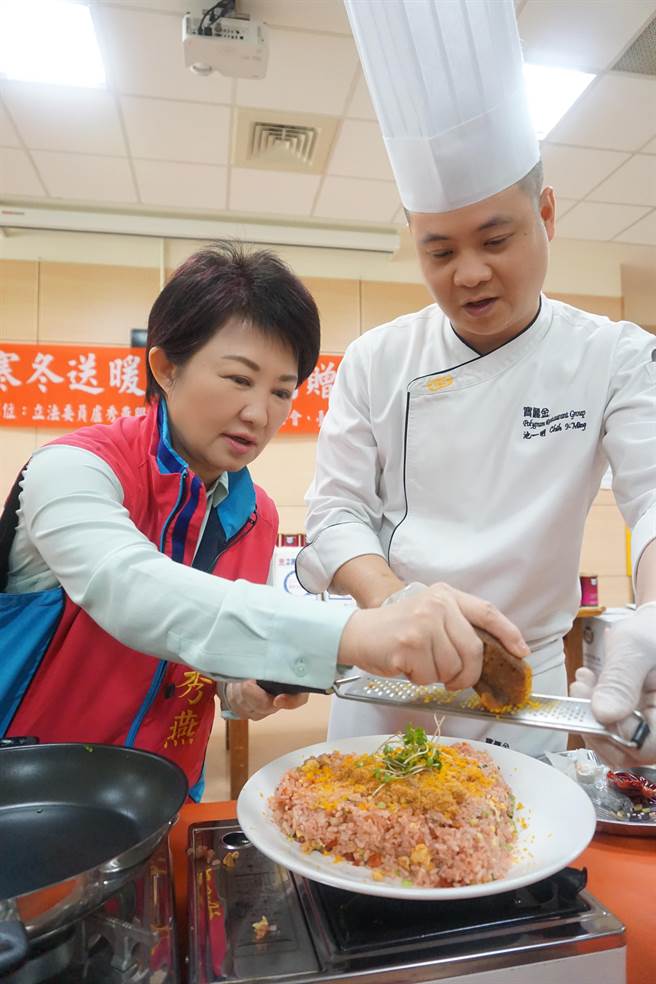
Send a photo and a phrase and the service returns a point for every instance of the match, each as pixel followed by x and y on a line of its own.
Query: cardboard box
pixel 337 599
pixel 284 573
pixel 594 633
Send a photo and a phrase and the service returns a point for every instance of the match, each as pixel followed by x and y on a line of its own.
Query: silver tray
pixel 609 823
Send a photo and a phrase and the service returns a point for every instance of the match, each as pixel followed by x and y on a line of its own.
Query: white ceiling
pixel 158 138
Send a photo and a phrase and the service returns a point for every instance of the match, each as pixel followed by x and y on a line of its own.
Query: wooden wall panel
pixel 17 446
pixel 615 592
pixel 93 303
pixel 604 544
pixel 639 292
pixel 383 301
pixel 19 293
pixel 285 469
pixel 604 497
pixel 604 550
pixel 339 307
pixel 611 307
pixel 292 518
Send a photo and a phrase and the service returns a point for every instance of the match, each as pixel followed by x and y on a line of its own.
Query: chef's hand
pixel 626 683
pixel 427 637
pixel 245 699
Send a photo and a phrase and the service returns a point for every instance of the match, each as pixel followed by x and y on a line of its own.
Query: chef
pixel 465 443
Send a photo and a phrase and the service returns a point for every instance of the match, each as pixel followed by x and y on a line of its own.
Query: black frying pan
pixel 75 821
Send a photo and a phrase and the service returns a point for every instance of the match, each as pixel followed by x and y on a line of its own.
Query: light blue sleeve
pixel 77 527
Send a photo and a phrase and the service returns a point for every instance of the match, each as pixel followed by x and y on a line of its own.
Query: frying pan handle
pixel 13 940
pixel 16 742
pixel 275 689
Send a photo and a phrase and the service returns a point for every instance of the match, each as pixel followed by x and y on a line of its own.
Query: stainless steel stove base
pixel 322 935
pixel 129 940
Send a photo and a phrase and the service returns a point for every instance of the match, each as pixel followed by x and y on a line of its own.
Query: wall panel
pixel 17 446
pixel 611 307
pixel 339 308
pixel 381 302
pixel 19 292
pixel 93 303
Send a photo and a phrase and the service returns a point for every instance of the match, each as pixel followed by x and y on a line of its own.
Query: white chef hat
pixel 446 81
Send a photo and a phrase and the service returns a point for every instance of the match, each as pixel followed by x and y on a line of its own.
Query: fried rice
pixel 449 824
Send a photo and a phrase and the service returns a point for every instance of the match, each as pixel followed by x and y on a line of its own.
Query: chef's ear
pixel 547 209
pixel 162 368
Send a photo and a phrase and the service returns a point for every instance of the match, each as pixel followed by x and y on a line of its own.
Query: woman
pixel 133 557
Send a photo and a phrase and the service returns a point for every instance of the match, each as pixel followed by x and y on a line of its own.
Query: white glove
pixel 405 592
pixel 626 683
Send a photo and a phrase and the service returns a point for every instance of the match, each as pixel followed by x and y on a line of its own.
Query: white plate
pixel 559 824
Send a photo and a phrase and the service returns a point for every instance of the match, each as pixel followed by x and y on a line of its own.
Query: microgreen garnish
pixel 406 754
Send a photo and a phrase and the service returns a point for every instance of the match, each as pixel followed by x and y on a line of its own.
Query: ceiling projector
pixel 220 40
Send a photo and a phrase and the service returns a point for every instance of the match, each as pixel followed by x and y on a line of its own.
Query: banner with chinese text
pixel 311 401
pixel 69 385
pixel 73 385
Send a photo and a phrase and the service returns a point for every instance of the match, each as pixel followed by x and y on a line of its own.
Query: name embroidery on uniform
pixel 539 421
pixel 439 383
pixel 183 728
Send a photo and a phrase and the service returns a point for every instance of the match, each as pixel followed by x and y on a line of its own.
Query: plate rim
pixel 390 889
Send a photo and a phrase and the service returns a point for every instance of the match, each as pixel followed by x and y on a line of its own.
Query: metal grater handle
pixel 544 710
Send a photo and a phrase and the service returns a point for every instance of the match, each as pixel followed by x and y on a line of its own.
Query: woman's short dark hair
pixel 223 282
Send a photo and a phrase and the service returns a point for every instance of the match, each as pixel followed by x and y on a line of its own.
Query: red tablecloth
pixel 621 874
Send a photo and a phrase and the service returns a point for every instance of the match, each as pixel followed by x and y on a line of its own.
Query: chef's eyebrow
pixel 496 220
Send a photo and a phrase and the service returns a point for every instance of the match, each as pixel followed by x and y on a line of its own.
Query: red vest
pixel 89 687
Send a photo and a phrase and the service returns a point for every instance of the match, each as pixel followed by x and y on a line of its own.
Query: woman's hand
pixel 245 699
pixel 428 637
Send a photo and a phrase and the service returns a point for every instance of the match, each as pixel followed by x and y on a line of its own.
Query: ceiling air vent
pixel 640 57
pixel 275 141
pixel 278 143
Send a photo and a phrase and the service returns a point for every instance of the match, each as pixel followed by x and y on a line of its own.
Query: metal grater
pixel 556 713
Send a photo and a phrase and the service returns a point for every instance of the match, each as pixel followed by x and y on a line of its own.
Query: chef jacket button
pixel 300 666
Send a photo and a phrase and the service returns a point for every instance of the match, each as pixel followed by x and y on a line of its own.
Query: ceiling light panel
pixel 51 41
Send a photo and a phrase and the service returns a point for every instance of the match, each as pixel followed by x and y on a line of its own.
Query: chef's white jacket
pixel 479 470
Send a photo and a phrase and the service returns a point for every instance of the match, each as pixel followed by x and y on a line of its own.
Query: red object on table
pixel 589 590
pixel 637 787
pixel 621 874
